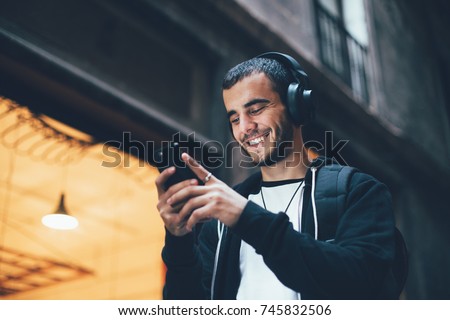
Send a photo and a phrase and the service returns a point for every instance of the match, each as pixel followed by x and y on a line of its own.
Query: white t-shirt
pixel 258 282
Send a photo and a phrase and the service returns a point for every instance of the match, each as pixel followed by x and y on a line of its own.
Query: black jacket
pixel 351 263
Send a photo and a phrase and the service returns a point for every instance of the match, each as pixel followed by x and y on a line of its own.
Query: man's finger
pixel 185 194
pixel 199 215
pixel 162 178
pixel 192 204
pixel 199 171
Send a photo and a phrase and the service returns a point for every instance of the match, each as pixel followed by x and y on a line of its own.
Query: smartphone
pixel 170 156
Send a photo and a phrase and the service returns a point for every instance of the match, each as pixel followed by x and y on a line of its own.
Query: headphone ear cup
pixel 300 104
pixel 294 103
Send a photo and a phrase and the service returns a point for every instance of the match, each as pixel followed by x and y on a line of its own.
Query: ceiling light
pixel 60 219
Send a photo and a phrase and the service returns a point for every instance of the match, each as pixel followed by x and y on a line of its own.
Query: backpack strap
pixel 330 195
pixel 400 267
pixel 332 184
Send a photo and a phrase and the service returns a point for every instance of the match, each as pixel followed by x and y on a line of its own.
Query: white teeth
pixel 256 141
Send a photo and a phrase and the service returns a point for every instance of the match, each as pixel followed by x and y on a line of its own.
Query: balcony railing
pixel 341 53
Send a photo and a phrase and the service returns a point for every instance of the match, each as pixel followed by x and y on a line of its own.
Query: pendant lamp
pixel 60 219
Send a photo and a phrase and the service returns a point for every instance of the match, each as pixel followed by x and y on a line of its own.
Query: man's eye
pixel 234 120
pixel 257 110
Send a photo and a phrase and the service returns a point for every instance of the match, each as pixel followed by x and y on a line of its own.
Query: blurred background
pixel 88 88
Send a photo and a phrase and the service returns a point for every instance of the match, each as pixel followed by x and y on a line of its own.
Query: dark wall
pixel 412 90
pixel 413 70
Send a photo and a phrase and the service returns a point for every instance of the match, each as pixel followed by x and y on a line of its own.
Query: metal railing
pixel 341 53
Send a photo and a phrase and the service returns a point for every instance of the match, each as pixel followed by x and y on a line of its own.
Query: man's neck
pixel 293 166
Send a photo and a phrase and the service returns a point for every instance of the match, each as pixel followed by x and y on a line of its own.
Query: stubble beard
pixel 279 150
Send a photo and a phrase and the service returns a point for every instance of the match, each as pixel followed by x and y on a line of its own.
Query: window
pixel 343 41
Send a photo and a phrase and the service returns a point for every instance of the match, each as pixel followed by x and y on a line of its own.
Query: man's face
pixel 258 119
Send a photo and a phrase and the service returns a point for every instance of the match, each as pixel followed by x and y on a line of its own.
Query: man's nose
pixel 247 124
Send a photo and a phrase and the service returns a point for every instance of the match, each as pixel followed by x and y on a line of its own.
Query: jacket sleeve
pixel 189 264
pixel 351 267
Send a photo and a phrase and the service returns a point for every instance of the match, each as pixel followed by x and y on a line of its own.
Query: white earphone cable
pixel 220 229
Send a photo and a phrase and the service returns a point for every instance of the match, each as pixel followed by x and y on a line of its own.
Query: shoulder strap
pixel 400 267
pixel 330 194
pixel 332 185
pixel 332 182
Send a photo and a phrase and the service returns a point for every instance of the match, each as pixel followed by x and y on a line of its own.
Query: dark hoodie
pixel 351 261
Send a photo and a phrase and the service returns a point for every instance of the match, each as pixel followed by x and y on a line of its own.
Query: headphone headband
pixel 299 99
pixel 289 63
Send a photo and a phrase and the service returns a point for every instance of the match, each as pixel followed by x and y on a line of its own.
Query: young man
pixel 264 239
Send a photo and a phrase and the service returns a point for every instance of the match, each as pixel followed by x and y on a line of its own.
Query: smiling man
pixel 260 124
pixel 266 238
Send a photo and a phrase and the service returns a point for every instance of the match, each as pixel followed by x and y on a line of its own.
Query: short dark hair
pixel 279 75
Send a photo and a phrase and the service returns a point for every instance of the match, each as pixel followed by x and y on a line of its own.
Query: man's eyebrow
pixel 256 101
pixel 230 113
pixel 249 104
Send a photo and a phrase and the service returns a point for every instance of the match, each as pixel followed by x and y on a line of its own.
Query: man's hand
pixel 173 221
pixel 214 200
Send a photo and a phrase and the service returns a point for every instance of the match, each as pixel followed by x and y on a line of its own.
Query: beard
pixel 278 149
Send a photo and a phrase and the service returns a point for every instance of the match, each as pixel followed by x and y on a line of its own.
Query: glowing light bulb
pixel 60 219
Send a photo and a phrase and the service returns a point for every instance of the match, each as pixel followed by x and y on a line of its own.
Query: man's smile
pixel 256 140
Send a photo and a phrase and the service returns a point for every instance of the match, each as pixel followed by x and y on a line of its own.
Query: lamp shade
pixel 60 219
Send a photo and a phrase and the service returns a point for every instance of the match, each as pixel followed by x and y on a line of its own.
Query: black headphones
pixel 299 99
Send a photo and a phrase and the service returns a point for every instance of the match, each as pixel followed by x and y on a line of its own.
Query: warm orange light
pixel 66 129
pixel 60 219
pixel 312 154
